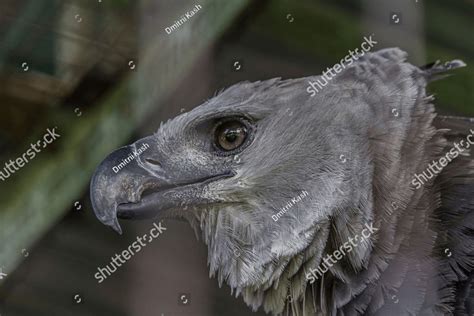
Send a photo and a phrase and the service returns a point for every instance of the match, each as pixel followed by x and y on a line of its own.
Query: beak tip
pixel 117 229
pixel 107 190
pixel 112 222
pixel 116 226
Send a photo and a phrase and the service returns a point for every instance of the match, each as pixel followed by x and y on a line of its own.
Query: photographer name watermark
pixel 184 18
pixel 130 158
pixel 12 166
pixel 289 205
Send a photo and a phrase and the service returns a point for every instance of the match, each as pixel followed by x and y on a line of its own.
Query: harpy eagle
pixel 355 149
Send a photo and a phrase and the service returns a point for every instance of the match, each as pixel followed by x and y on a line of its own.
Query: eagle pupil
pixel 230 135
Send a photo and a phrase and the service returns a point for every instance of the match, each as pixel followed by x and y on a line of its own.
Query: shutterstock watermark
pixel 316 86
pixel 12 166
pixel 421 179
pixel 127 254
pixel 344 249
pixel 289 205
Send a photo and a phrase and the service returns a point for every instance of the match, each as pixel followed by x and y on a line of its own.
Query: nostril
pixel 153 162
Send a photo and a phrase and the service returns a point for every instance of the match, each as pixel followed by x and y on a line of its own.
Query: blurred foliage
pixel 326 30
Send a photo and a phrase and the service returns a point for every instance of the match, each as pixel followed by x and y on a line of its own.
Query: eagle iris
pixel 230 135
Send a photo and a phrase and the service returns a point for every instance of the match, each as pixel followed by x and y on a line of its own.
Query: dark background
pixel 106 73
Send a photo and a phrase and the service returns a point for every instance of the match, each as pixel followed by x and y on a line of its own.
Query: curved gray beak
pixel 131 183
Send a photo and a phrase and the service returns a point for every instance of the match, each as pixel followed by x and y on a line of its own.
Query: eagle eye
pixel 230 135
